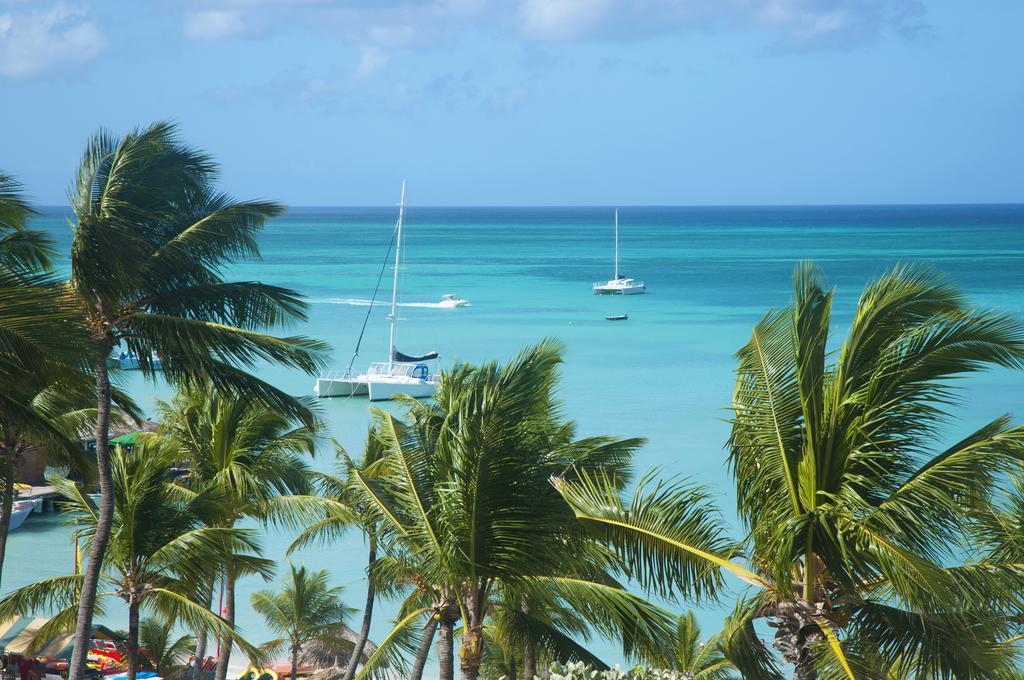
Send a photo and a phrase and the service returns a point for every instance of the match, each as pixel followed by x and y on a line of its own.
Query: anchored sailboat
pixel 401 373
pixel 619 285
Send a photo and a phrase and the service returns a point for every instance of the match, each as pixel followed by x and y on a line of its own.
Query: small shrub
pixel 581 671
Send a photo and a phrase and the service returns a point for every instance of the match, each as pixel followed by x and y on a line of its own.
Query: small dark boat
pixel 617 317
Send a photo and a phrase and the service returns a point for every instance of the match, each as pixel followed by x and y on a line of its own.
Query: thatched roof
pixel 331 659
pixel 120 424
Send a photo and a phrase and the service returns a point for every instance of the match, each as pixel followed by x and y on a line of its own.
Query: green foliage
pixel 469 517
pixel 151 239
pixel 22 249
pixel 306 608
pixel 159 551
pixel 581 671
pixel 857 527
pixel 41 345
pixel 253 458
pixel 166 652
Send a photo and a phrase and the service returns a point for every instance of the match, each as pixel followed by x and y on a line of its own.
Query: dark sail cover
pixel 406 359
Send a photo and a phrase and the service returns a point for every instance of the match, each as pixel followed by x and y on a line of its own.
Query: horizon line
pixel 610 206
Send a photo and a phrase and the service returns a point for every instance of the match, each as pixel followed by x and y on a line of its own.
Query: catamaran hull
pixel 385 391
pixel 340 387
pixel 632 290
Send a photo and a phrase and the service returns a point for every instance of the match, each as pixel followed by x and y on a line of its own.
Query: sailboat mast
pixel 616 245
pixel 393 317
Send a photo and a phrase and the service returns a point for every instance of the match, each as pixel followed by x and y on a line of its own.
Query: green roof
pixel 126 439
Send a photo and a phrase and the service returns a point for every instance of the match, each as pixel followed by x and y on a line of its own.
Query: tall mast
pixel 616 245
pixel 393 317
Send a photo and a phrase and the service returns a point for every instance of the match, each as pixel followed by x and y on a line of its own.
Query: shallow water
pixel 666 374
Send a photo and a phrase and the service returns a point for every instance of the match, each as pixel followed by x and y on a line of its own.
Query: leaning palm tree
pixel 152 236
pixel 251 457
pixel 158 552
pixel 306 609
pixel 859 530
pixel 468 509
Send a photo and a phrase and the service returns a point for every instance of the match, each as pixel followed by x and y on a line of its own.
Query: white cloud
pixel 563 19
pixel 371 60
pixel 380 30
pixel 505 99
pixel 32 42
pixel 810 24
pixel 215 24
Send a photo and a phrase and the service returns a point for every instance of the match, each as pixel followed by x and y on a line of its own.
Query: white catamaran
pixel 401 373
pixel 619 285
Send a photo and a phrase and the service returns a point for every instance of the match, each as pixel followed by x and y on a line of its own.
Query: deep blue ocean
pixel 665 374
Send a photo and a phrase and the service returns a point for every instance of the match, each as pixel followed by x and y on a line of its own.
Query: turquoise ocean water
pixel 666 374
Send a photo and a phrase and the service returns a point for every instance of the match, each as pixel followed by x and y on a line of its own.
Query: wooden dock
pixel 47 493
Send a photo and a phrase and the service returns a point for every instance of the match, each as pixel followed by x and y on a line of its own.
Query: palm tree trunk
pixel 471 653
pixel 6 504
pixel 512 667
pixel 87 598
pixel 797 635
pixel 424 650
pixel 445 649
pixel 229 616
pixel 364 632
pixel 295 661
pixel 133 636
pixel 529 659
pixel 201 638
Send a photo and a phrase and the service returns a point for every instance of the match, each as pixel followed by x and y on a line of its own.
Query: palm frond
pixel 670 536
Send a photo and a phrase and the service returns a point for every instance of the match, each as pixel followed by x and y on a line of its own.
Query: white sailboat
pixel 401 373
pixel 619 285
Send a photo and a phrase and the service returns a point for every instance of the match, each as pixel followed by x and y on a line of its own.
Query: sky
pixel 533 102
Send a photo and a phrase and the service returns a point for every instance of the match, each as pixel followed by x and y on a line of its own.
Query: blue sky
pixel 530 102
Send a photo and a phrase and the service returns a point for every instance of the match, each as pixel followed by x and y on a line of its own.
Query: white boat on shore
pixel 129 360
pixel 449 301
pixel 401 373
pixel 19 511
pixel 618 284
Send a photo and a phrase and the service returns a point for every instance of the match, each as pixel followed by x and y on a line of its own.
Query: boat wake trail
pixel 355 302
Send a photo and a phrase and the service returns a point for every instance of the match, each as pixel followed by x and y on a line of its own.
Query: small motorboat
pixel 617 317
pixel 449 301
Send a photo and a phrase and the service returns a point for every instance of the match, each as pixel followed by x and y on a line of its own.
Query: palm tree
pixel 151 238
pixel 308 608
pixel 52 416
pixel 167 653
pixel 467 505
pixel 858 530
pixel 351 511
pixel 249 456
pixel 39 347
pixel 21 249
pixel 733 652
pixel 158 552
pixel 528 627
